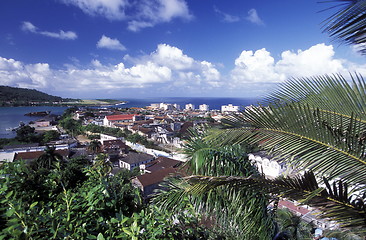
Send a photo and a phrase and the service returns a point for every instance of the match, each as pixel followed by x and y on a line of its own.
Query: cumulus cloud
pixel 138 14
pixel 254 18
pixel 15 73
pixel 226 17
pixel 167 66
pixel 110 43
pixel 169 69
pixel 261 67
pixel 29 27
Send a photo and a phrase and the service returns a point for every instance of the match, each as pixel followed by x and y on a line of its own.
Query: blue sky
pixel 169 48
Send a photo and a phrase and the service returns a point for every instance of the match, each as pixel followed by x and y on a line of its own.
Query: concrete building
pixel 190 107
pixel 134 159
pixel 266 165
pixel 230 108
pixel 124 118
pixel 204 107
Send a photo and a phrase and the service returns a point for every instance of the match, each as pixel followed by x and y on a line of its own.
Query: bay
pixel 10 117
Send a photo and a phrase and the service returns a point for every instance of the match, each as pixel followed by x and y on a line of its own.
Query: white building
pixel 204 107
pixel 155 105
pixel 230 108
pixel 189 106
pixel 266 165
pixel 176 106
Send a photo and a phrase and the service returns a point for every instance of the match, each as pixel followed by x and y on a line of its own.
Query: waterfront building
pixel 124 118
pixel 176 106
pixel 204 107
pixel 230 108
pixel 190 107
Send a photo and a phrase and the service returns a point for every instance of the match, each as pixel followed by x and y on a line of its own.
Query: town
pixel 148 139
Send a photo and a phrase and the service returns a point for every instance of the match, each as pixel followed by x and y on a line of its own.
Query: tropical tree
pixel 239 213
pixel 49 158
pixel 95 146
pixel 102 165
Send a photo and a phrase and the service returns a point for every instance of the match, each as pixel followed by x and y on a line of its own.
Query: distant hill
pixel 22 96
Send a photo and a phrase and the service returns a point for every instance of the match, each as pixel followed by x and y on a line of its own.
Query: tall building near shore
pixel 230 108
pixel 204 107
pixel 190 106
pixel 176 106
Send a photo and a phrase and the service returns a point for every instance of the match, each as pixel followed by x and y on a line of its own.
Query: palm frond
pixel 348 23
pixel 243 214
pixel 323 141
pixel 333 200
pixel 328 92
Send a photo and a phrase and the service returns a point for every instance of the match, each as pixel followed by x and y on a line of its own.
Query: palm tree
pixel 48 158
pixel 95 146
pixel 240 213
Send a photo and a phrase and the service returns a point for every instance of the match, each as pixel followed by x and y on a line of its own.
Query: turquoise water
pixel 10 117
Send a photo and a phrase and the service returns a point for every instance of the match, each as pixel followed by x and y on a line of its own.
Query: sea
pixel 11 117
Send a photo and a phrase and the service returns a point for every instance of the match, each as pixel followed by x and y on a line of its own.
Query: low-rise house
pixel 143 131
pixel 148 182
pixel 122 118
pixel 161 163
pixel 114 148
pixel 30 156
pixel 134 159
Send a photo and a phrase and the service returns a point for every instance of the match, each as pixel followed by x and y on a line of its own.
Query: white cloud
pixel 138 14
pixel 254 18
pixel 110 9
pixel 29 27
pixel 226 17
pixel 172 57
pixel 15 73
pixel 169 70
pixel 110 43
pixel 260 66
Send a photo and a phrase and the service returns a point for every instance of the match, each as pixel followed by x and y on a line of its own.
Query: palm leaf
pixel 334 200
pixel 348 23
pixel 323 141
pixel 332 93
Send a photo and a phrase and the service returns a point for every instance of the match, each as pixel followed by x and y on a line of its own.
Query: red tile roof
pixel 161 163
pixel 155 177
pixel 114 144
pixel 37 154
pixel 292 207
pixel 120 117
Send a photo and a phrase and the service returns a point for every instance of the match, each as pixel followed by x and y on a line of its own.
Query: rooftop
pixel 133 157
pixel 148 179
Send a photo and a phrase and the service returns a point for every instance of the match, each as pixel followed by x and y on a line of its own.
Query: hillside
pixel 12 96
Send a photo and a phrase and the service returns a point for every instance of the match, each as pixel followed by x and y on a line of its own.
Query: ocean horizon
pixel 213 102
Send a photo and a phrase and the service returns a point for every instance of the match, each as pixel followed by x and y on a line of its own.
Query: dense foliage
pixel 76 200
pixel 12 96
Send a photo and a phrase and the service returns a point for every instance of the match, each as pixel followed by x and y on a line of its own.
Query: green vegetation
pixel 12 96
pixel 27 134
pixel 76 200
